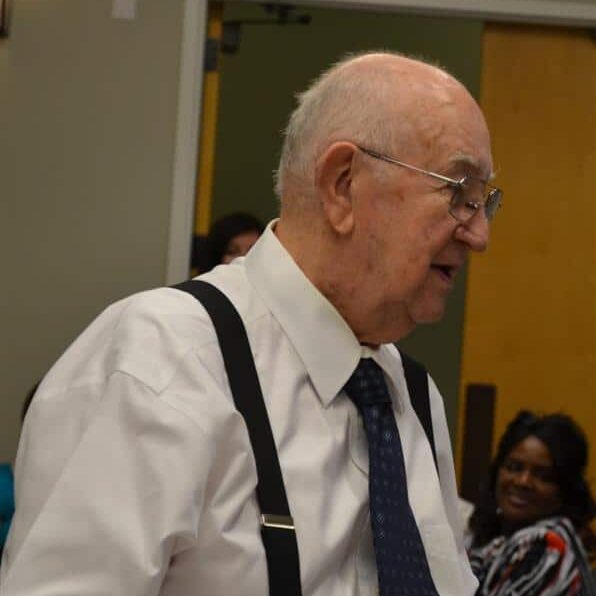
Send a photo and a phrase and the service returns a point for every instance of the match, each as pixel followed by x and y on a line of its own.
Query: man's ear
pixel 333 183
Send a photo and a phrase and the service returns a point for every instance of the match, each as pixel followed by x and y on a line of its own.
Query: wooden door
pixel 530 322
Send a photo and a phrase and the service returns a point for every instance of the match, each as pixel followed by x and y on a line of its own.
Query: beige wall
pixel 88 110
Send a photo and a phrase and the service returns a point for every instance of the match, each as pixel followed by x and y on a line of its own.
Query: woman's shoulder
pixel 545 554
pixel 551 528
pixel 556 534
pixel 554 537
pixel 556 524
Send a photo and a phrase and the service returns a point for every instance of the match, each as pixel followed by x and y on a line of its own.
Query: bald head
pixel 382 100
pixel 379 241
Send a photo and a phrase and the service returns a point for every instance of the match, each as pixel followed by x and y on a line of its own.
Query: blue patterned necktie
pixel 401 561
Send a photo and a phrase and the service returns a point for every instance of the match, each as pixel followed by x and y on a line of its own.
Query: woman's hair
pixel 569 451
pixel 210 252
pixel 28 399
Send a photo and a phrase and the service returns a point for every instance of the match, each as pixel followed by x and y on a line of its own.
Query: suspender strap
pixel 417 381
pixel 277 526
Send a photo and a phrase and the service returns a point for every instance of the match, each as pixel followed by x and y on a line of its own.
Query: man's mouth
pixel 447 272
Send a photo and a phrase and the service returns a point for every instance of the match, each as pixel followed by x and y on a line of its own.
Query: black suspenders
pixel 277 525
pixel 417 381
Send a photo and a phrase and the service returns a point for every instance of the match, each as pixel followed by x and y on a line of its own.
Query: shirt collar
pixel 324 342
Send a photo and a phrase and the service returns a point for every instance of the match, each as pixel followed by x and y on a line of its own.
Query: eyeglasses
pixel 469 193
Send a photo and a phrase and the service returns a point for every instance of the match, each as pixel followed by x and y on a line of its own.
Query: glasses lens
pixel 464 201
pixel 493 202
pixel 472 194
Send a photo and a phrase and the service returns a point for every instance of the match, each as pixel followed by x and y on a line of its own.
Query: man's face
pixel 412 247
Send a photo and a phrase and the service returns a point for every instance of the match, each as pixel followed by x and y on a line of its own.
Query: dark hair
pixel 568 448
pixel 28 399
pixel 213 247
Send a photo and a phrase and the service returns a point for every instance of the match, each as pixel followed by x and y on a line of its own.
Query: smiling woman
pixel 531 527
pixel 526 487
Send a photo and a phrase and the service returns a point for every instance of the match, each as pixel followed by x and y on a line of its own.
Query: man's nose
pixel 475 232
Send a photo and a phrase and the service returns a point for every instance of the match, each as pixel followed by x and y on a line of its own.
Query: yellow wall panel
pixel 530 325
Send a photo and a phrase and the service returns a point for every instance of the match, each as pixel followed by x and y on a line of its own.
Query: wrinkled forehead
pixel 443 127
pixel 476 165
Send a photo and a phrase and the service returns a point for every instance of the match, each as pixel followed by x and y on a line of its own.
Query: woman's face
pixel 526 490
pixel 239 245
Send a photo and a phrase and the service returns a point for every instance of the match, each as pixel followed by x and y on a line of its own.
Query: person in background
pixel 7 481
pixel 6 502
pixel 229 237
pixel 530 529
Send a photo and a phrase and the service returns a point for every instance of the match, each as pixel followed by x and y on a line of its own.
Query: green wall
pixel 257 91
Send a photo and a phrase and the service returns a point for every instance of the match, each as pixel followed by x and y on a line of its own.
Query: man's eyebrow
pixel 468 160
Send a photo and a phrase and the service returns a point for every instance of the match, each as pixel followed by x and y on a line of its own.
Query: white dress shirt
pixel 135 475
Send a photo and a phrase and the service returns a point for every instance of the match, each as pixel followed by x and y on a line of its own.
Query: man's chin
pixel 424 314
pixel 388 332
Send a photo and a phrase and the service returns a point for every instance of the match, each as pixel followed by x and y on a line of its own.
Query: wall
pixel 257 94
pixel 88 120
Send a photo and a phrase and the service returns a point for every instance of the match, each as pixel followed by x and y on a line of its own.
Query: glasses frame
pixel 492 194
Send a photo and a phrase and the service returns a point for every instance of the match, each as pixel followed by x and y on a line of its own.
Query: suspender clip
pixel 283 522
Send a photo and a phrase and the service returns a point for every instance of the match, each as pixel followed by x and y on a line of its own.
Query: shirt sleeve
pixel 104 501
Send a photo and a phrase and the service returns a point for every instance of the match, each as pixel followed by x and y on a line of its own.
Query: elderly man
pixel 136 474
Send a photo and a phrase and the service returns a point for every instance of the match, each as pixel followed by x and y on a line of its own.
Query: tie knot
pixel 366 386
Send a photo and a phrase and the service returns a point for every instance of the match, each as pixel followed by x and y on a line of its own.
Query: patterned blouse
pixel 545 559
